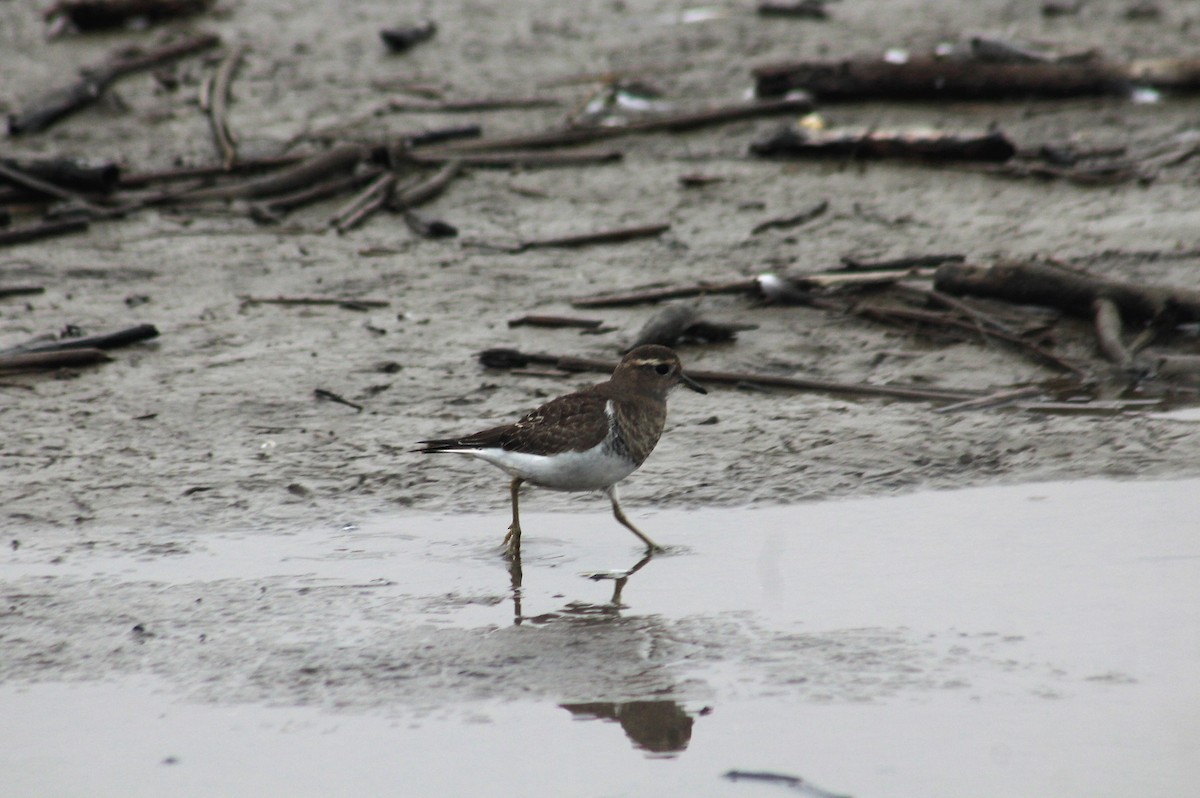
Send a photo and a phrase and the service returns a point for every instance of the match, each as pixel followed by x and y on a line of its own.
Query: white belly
pixel 593 469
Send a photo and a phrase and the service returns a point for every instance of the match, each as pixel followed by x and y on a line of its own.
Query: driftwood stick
pixel 648 295
pixel 1095 407
pixel 509 358
pixel 931 78
pixel 100 177
pixel 342 302
pixel 218 110
pixel 57 103
pixel 959 326
pixel 424 191
pixel 675 122
pixel 294 178
pixel 520 159
pixel 795 142
pixel 20 235
pixel 788 222
pixel 981 319
pixel 1069 290
pixel 800 9
pixel 846 277
pixel 371 199
pixel 322 393
pixel 470 105
pixel 535 320
pixel 910 262
pixel 992 400
pixel 21 178
pixel 141 179
pixel 614 236
pixel 20 290
pixel 129 335
pixel 270 210
pixel 91 15
pixel 36 361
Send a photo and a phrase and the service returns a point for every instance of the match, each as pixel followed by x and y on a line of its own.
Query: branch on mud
pixel 670 122
pixel 612 236
pixel 1069 290
pixel 369 200
pixel 20 290
pixel 929 77
pixel 33 232
pixel 536 320
pixel 129 335
pixel 92 15
pixel 41 112
pixel 514 359
pixel 41 361
pixel 794 141
pixel 309 301
pixel 295 177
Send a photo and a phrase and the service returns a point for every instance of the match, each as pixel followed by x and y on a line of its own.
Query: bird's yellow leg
pixel 651 546
pixel 512 541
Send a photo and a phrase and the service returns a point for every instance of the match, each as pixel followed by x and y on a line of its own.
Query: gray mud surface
pixel 213 428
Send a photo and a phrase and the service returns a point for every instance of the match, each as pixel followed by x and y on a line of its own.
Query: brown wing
pixel 570 423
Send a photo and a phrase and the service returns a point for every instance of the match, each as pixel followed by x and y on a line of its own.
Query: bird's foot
pixel 512 541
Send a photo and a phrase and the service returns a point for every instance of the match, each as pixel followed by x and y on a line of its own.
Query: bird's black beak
pixel 689 382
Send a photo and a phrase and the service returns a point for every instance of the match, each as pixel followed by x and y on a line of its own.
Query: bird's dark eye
pixel 663 369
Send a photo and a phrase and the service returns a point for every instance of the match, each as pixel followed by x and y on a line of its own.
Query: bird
pixel 588 440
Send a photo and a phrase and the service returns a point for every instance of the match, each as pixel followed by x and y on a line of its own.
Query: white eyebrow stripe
pixel 649 362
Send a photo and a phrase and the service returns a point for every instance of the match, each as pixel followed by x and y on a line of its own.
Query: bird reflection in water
pixel 575 608
pixel 660 727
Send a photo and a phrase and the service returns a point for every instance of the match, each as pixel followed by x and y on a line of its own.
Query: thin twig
pixel 614 236
pixel 271 210
pixel 520 159
pixel 293 178
pixel 425 190
pixel 992 400
pixel 648 295
pixel 788 222
pixel 889 314
pixel 55 104
pixel 321 393
pixel 472 105
pixel 371 199
pixel 344 302
pixel 218 112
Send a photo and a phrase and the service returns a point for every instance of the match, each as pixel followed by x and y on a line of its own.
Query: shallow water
pixel 1031 640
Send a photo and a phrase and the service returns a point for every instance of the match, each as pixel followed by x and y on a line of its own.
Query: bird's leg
pixel 651 546
pixel 512 541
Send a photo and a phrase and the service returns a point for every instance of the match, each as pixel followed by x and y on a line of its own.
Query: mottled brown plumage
pixel 587 440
